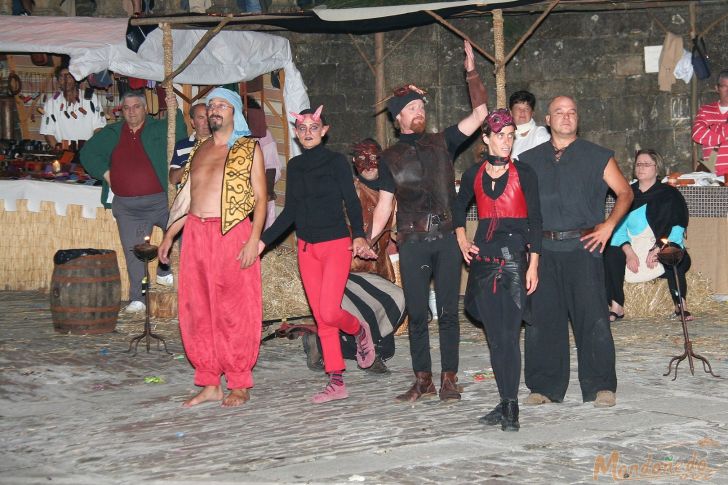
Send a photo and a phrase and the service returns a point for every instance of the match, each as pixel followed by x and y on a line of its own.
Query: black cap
pixel 395 104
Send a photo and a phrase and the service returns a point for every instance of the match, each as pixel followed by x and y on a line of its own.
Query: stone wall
pixel 595 57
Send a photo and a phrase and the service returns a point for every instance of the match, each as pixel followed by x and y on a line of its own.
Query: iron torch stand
pixel 671 256
pixel 146 252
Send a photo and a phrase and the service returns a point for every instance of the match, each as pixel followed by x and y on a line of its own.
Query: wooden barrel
pixel 86 293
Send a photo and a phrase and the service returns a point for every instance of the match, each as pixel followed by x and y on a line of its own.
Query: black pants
pixel 571 287
pixel 496 296
pixel 614 267
pixel 419 261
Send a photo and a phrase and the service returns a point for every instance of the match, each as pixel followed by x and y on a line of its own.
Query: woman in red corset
pixel 503 256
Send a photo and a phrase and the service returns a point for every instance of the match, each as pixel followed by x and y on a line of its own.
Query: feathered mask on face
pixel 365 155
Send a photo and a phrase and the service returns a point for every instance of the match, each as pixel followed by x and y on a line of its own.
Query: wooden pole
pixel 379 88
pixel 500 66
pixel 167 45
pixel 693 86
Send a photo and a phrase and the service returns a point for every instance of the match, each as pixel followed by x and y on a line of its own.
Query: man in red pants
pixel 219 267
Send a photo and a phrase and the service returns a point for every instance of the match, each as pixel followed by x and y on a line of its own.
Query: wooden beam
pixel 530 31
pixel 168 77
pixel 187 99
pixel 361 53
pixel 603 5
pixel 379 88
pixel 398 42
pixel 461 34
pixel 206 20
pixel 712 24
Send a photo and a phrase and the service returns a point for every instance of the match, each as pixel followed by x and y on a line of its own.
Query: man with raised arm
pixel 422 167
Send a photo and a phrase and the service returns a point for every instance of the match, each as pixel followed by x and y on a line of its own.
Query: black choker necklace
pixel 497 161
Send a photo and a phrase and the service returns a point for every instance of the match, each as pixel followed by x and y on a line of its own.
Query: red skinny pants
pixel 324 270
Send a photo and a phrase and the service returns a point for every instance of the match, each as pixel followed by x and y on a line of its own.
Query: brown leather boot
pixel 449 389
pixel 423 387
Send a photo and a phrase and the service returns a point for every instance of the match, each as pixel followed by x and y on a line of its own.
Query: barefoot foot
pixel 236 397
pixel 208 393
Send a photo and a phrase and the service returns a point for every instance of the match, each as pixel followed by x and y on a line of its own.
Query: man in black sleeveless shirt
pixel 573 178
pixel 421 165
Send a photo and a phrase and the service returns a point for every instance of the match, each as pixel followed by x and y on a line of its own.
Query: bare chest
pixel 206 176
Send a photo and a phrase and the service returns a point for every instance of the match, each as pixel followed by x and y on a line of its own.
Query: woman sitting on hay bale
pixel 319 185
pixel 658 213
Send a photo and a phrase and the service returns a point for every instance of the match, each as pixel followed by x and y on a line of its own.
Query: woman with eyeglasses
pixel 319 185
pixel 658 216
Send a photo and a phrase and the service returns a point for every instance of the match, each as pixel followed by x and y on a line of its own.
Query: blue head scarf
pixel 240 126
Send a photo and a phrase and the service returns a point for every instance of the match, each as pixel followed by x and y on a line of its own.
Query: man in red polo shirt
pixel 130 157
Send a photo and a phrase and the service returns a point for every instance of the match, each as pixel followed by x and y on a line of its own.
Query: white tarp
pixel 95 44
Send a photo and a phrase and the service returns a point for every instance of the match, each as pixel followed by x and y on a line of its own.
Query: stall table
pixel 37 218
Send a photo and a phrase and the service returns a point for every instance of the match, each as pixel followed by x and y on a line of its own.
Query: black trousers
pixel 419 262
pixel 496 296
pixel 614 267
pixel 571 287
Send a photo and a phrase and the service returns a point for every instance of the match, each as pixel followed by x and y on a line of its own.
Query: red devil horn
pixel 299 118
pixel 317 115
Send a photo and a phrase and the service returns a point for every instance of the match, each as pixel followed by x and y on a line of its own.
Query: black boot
pixel 314 360
pixel 510 415
pixel 495 416
pixel 378 367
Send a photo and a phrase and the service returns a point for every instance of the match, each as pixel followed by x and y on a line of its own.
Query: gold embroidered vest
pixel 237 200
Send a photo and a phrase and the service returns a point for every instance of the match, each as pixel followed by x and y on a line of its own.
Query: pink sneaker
pixel 332 392
pixel 365 348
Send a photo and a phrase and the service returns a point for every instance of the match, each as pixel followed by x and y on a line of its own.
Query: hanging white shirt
pixel 80 123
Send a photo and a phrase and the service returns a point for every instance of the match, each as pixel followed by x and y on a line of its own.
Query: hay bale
pixel 652 298
pixel 283 294
pixel 402 329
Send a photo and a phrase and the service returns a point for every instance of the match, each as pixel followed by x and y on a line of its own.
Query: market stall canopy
pixel 95 44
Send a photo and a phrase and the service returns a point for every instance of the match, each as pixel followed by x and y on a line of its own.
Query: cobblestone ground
pixel 77 410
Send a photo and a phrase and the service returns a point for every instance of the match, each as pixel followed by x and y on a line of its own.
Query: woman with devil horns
pixel 318 187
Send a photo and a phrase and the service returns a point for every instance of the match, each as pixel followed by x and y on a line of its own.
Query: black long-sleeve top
pixel 319 183
pixel 514 233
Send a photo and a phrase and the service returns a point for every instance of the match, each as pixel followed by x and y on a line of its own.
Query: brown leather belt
pixel 563 235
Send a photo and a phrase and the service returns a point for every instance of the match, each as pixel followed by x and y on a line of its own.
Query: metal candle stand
pixel 146 252
pixel 671 256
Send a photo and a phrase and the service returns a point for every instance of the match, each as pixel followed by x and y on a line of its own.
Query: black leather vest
pixel 424 178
